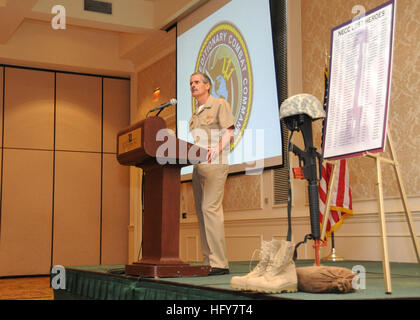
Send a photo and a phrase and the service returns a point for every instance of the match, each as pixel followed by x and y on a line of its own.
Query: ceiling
pixel 141 24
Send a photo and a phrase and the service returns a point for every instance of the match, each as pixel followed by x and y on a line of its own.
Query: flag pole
pixel 333 256
pixel 328 200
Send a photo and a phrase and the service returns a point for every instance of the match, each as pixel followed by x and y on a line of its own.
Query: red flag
pixel 341 200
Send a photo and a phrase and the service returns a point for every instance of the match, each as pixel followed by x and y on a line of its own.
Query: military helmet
pixel 302 104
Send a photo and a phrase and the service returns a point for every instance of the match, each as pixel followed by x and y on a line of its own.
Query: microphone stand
pixel 160 110
pixel 157 114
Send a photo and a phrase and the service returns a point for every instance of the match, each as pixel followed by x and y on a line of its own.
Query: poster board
pixel 359 85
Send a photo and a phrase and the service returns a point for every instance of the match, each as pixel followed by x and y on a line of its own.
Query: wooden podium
pixel 149 145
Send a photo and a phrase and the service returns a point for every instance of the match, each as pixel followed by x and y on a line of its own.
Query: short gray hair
pixel 204 77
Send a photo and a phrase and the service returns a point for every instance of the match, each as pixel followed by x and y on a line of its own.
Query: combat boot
pixel 280 273
pixel 268 249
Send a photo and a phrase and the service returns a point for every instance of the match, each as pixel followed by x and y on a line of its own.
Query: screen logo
pixel 224 57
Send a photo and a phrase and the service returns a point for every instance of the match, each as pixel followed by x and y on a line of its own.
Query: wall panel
pixel 1 101
pixel 115 211
pixel 1 133
pixel 65 197
pixel 116 180
pixel 29 109
pixel 116 111
pixel 79 112
pixel 77 208
pixel 25 244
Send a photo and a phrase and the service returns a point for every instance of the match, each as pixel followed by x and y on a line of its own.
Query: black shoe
pixel 218 271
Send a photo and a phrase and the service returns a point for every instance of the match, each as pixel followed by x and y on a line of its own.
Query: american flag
pixel 341 201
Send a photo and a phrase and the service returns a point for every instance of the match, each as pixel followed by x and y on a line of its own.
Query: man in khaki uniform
pixel 212 127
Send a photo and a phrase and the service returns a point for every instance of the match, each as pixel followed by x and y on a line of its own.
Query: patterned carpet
pixel 28 288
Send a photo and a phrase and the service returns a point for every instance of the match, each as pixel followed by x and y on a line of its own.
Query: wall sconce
pixel 156 93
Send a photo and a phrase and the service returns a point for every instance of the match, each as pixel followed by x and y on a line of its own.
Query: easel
pixel 393 161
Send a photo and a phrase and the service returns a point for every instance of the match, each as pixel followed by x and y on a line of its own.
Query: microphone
pixel 163 106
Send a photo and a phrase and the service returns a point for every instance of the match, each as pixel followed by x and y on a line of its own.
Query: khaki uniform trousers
pixel 208 182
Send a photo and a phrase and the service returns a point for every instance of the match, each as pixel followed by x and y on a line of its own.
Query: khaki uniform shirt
pixel 208 124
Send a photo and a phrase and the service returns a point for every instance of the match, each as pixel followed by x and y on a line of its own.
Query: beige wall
pixel 65 198
pixel 160 74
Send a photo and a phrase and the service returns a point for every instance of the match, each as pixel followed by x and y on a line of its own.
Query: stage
pixel 108 282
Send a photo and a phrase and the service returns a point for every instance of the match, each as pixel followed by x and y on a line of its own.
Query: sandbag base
pixel 318 279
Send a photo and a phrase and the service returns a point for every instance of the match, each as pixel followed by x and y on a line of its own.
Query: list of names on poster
pixel 361 57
